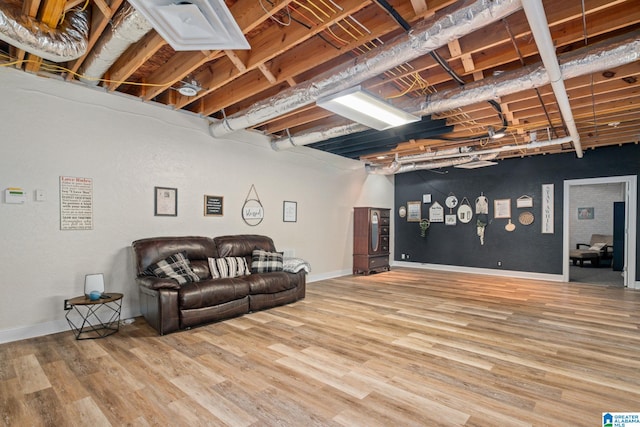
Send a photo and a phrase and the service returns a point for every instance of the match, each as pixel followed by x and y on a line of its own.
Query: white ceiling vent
pixel 193 25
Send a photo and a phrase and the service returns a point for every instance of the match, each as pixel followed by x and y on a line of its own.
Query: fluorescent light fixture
pixel 362 107
pixel 193 24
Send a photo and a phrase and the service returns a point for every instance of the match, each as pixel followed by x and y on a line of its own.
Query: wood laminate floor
pixel 404 348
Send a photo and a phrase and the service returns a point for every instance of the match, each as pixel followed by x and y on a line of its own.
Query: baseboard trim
pixel 46 328
pixel 485 271
pixel 330 275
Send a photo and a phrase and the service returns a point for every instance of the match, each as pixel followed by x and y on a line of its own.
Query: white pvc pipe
pixel 537 18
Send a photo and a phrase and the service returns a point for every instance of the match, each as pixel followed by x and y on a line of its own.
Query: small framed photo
pixel 414 211
pixel 166 201
pixel 213 205
pixel 289 211
pixel 502 208
pixel 586 213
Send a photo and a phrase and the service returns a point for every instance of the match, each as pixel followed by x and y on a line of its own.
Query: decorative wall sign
pixel 213 205
pixel 414 211
pixel 524 202
pixel 436 212
pixel 465 213
pixel 252 210
pixel 526 218
pixel 402 211
pixel 76 203
pixel 289 211
pixel 502 208
pixel 450 219
pixel 547 208
pixel 166 201
pixel 451 201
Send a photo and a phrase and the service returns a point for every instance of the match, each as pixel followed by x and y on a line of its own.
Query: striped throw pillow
pixel 228 267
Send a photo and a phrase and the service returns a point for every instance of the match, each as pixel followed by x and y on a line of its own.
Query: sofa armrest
pixel 156 283
pixel 586 245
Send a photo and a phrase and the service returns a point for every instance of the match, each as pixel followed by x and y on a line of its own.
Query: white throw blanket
pixel 293 265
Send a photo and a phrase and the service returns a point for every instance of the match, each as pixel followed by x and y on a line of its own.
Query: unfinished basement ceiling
pixel 301 49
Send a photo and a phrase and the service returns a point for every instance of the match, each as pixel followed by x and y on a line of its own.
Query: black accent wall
pixel 525 248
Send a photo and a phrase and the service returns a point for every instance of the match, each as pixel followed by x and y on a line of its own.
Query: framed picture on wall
pixel 166 201
pixel 289 211
pixel 502 208
pixel 213 205
pixel 414 211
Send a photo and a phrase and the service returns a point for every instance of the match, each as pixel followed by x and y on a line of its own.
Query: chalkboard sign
pixel 213 205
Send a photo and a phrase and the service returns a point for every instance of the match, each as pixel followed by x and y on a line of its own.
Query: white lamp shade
pixel 93 282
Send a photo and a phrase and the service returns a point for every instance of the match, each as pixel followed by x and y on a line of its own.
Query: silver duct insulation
pixel 424 38
pixel 395 168
pixel 321 134
pixel 127 27
pixel 597 58
pixel 427 160
pixel 602 56
pixel 67 42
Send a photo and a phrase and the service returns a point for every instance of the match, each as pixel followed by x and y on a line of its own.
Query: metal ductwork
pixel 597 58
pixel 127 27
pixel 67 42
pixel 454 157
pixel 424 38
pixel 397 167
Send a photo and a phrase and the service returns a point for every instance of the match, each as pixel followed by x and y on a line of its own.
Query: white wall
pixel 51 128
pixel 601 198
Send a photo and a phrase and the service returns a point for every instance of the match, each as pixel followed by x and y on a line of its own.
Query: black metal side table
pixel 97 319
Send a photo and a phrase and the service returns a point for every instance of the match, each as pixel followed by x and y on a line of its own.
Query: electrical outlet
pixel 403 256
pixel 407 256
pixel 499 263
pixel 67 306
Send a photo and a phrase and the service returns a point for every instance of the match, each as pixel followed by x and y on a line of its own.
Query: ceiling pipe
pixel 602 56
pixel 127 27
pixel 67 42
pixel 427 160
pixel 537 19
pixel 427 36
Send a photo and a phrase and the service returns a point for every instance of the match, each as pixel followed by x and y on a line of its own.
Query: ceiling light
pixel 193 25
pixel 189 88
pixel 362 107
pixel 495 135
pixel 614 124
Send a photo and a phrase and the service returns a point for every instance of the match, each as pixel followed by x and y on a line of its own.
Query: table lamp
pixel 93 283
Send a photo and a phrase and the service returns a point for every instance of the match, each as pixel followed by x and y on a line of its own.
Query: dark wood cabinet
pixel 370 240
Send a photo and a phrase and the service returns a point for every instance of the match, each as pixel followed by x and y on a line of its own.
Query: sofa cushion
pixel 265 261
pixel 176 267
pixel 271 283
pixel 228 267
pixel 211 292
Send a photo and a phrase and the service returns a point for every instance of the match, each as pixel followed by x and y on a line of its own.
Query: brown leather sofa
pixel 168 306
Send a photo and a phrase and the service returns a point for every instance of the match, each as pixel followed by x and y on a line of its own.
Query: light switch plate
pixel 426 198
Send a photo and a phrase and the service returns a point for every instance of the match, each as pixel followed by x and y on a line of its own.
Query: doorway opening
pixel 627 188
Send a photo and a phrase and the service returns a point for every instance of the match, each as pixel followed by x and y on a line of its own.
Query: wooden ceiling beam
pixel 49 14
pixel 133 58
